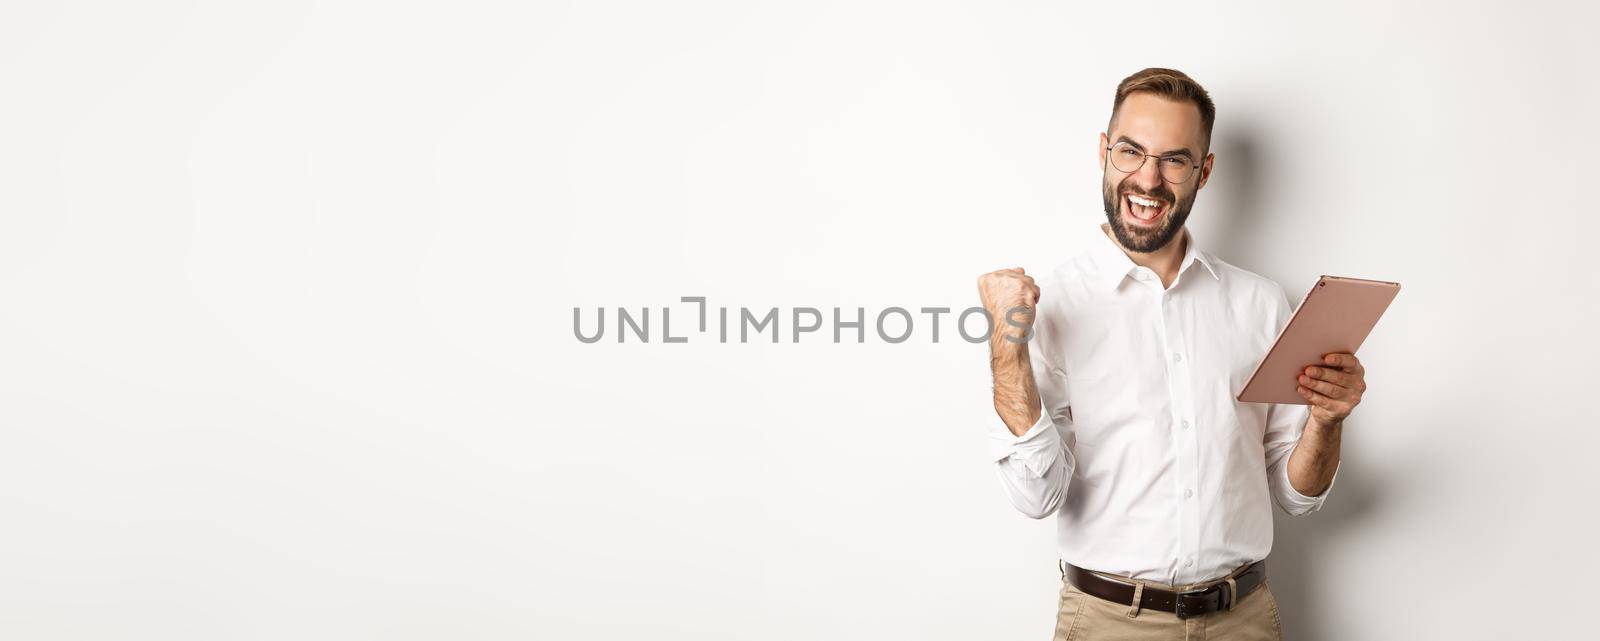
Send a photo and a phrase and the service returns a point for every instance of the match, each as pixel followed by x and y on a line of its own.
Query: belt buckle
pixel 1183 612
pixel 1177 603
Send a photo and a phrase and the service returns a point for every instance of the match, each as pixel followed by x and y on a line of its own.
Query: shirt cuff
pixel 1034 451
pixel 1295 503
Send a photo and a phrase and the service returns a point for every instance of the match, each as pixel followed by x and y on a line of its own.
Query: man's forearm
pixel 1315 458
pixel 1016 397
pixel 1011 297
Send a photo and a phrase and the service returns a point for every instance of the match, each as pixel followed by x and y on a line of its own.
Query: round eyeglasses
pixel 1127 159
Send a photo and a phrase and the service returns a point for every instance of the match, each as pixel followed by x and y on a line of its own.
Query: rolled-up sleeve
pixel 1034 468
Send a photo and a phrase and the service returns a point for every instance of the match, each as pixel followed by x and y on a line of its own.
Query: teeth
pixel 1142 201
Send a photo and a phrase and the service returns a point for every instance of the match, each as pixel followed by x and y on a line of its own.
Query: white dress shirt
pixel 1152 468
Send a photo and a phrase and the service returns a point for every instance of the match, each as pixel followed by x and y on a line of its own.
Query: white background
pixel 286 343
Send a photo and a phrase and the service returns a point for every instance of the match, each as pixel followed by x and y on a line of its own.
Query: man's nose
pixel 1149 175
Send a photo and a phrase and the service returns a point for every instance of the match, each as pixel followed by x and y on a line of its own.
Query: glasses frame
pixel 1146 159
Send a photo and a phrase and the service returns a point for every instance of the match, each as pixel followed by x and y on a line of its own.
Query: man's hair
pixel 1172 85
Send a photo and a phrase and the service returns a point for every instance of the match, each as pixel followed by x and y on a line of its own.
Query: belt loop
pixel 1061 564
pixel 1138 598
pixel 1233 593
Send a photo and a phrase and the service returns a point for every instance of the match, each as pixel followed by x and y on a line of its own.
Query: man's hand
pixel 1004 292
pixel 1016 398
pixel 1334 388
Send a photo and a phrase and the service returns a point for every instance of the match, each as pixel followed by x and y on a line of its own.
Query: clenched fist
pixel 1010 296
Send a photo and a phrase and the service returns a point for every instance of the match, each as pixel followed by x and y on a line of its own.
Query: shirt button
pixel 1188 493
pixel 1177 358
pixel 1185 423
pixel 1188 562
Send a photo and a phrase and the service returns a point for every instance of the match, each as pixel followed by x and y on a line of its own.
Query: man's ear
pixel 1104 142
pixel 1205 171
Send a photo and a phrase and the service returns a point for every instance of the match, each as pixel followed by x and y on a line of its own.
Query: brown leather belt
pixel 1219 595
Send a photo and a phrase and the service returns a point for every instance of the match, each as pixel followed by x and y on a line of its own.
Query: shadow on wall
pixel 1301 548
pixel 1236 210
pixel 1301 545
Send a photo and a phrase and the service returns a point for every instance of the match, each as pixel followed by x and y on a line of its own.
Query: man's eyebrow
pixel 1176 152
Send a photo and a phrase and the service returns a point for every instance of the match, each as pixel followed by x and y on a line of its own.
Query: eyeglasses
pixel 1128 159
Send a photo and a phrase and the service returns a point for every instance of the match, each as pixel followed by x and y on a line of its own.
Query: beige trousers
pixel 1089 618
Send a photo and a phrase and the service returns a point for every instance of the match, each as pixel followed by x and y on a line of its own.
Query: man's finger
pixel 1315 398
pixel 1332 376
pixel 1319 400
pixel 1323 387
pixel 1345 361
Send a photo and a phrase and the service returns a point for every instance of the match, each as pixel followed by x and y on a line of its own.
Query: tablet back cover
pixel 1335 316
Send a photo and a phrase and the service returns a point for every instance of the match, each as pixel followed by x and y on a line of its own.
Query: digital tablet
pixel 1335 316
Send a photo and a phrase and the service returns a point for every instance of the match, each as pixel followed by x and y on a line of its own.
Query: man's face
pixel 1144 209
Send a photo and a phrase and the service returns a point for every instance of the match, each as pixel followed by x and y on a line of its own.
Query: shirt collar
pixel 1114 265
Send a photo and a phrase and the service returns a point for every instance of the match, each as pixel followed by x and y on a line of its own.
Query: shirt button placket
pixel 1179 369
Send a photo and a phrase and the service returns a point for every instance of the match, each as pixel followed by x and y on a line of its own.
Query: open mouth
pixel 1143 210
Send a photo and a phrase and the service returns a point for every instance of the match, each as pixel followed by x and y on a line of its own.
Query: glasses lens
pixel 1125 158
pixel 1176 170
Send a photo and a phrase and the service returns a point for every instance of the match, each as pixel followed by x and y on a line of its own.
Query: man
pixel 1115 377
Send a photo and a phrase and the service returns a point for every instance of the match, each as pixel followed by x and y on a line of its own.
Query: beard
pixel 1139 239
